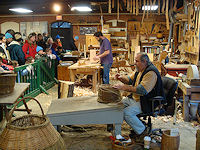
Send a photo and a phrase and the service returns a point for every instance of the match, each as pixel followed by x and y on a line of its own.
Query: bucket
pixel 30 132
pixel 169 142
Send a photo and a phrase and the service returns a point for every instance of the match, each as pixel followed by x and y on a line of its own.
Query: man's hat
pixel 8 35
pixel 57 36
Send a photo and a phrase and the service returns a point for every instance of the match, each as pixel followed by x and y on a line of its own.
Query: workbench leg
pixel 118 128
pixel 1 113
pixel 72 75
pixel 175 112
pixel 185 107
pixel 94 82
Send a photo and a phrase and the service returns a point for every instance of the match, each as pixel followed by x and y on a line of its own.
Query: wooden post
pixel 65 89
pixel 185 107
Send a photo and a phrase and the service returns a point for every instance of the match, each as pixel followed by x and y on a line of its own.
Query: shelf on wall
pixel 193 53
pixel 118 38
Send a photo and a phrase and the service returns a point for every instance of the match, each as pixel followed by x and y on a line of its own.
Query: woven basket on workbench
pixel 108 94
pixel 30 132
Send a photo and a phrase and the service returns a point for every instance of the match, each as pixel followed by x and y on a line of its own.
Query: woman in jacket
pixel 29 48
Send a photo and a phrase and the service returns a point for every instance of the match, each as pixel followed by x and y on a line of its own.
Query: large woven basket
pixel 30 132
pixel 108 94
pixel 7 83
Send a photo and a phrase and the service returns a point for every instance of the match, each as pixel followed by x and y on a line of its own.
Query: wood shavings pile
pixel 81 91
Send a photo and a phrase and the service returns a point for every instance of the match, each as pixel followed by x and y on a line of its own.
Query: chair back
pixel 170 86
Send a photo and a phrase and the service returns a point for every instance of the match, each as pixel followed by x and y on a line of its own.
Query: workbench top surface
pixel 80 104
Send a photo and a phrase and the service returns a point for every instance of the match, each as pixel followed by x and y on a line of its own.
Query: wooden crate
pixel 63 73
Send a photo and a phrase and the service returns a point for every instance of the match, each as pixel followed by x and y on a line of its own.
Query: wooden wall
pixel 78 20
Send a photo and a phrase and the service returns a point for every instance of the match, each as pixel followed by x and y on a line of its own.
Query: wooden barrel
pixel 7 83
pixel 170 142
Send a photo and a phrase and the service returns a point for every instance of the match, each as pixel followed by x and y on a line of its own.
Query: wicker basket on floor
pixel 108 94
pixel 30 132
pixel 7 83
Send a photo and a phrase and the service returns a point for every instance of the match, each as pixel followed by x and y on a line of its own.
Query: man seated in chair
pixel 144 84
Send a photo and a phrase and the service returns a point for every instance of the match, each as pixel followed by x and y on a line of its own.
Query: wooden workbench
pixel 190 94
pixel 88 69
pixel 85 110
pixel 173 69
pixel 11 98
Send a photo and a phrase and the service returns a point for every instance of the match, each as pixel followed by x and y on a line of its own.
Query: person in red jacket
pixel 29 48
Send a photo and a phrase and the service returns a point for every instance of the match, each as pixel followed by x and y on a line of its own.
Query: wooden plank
pixel 195 96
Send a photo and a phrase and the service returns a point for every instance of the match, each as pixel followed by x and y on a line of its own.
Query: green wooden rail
pixel 40 76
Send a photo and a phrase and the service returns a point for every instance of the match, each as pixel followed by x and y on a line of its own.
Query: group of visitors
pixel 15 51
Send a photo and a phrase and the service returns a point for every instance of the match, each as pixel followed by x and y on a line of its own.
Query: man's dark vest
pixel 158 90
